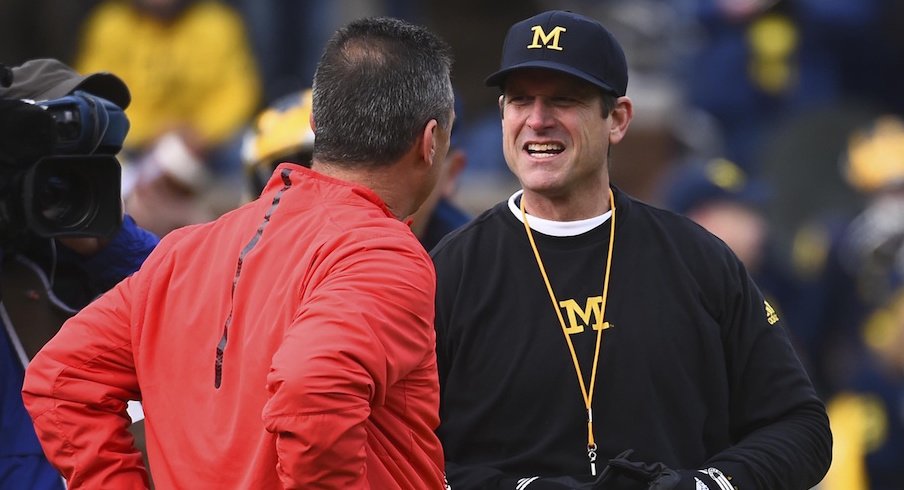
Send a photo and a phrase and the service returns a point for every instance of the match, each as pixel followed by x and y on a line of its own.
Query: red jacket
pixel 322 304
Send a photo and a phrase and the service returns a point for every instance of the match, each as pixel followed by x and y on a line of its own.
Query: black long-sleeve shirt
pixel 697 370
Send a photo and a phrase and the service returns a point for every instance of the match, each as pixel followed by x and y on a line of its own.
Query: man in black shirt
pixel 575 323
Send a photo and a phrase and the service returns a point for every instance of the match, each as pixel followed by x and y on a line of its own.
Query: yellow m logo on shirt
pixel 544 40
pixel 589 315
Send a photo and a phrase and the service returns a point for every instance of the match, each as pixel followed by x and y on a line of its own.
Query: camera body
pixel 58 172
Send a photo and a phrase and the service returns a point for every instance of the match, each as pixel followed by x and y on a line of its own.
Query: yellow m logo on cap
pixel 549 41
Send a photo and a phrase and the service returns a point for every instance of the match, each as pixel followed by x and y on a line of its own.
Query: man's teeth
pixel 545 148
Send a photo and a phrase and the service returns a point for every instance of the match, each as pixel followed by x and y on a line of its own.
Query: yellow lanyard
pixel 587 394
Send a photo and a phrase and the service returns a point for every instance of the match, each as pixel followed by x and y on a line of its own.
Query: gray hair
pixel 378 82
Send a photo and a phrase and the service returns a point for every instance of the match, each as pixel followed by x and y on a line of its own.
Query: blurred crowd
pixel 776 124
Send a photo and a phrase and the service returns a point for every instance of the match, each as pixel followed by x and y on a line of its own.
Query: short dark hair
pixel 609 101
pixel 378 82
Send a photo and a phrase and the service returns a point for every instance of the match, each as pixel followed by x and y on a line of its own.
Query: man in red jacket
pixel 290 342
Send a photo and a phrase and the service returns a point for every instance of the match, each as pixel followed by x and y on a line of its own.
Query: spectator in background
pixel 867 413
pixel 195 84
pixel 282 133
pixel 761 62
pixel 721 197
pixel 852 261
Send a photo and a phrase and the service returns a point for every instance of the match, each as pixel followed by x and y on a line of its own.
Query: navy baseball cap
pixel 718 179
pixel 567 42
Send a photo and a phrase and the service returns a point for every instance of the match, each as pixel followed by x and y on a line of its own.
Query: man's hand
pixel 85 246
pixel 568 482
pixel 658 476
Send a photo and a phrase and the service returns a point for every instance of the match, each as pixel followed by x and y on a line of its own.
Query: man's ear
pixel 428 141
pixel 311 121
pixel 501 102
pixel 621 117
pixel 456 161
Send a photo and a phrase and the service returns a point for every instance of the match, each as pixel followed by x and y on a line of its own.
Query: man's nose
pixel 540 115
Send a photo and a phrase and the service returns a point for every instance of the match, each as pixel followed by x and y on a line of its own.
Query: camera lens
pixel 65 200
pixel 73 195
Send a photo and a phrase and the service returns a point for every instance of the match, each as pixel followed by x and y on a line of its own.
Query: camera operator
pixel 63 236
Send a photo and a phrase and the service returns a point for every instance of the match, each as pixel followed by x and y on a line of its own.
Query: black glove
pixel 568 482
pixel 660 477
pixel 552 483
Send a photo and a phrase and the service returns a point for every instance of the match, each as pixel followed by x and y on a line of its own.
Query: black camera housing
pixel 58 173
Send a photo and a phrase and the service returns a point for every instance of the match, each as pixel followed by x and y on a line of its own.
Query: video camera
pixel 58 172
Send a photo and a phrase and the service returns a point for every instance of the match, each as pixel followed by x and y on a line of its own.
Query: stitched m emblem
pixel 590 315
pixel 544 40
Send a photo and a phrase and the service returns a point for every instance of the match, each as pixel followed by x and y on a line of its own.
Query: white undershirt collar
pixel 557 228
